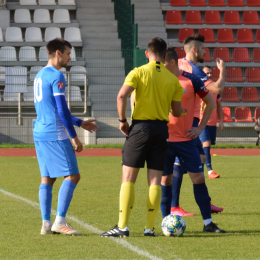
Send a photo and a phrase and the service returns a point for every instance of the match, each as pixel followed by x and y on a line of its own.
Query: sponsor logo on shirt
pixel 205 79
pixel 60 85
pixel 184 91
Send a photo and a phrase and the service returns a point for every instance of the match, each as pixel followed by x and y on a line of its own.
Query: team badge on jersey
pixel 60 85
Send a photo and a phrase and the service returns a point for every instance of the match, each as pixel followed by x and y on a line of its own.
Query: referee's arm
pixel 176 108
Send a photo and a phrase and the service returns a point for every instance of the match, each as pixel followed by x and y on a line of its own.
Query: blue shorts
pixel 209 134
pixel 56 159
pixel 188 155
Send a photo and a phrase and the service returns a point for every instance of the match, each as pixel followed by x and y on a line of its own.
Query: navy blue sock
pixel 45 198
pixel 166 200
pixel 176 185
pixel 203 199
pixel 208 157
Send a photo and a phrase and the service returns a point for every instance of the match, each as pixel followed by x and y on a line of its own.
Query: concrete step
pixel 96 17
pixel 94 4
pixel 147 2
pixel 103 54
pixel 146 11
pixel 93 46
pixel 100 35
pixel 95 89
pixel 106 71
pixel 106 80
pixel 101 41
pixel 151 5
pixel 144 41
pixel 97 11
pixel 98 29
pixel 147 29
pixel 108 113
pixel 89 23
pixel 151 35
pixel 148 17
pixel 150 23
pixel 105 63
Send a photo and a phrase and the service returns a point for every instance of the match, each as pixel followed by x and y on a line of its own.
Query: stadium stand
pixel 184 32
pixel 8 53
pixel 208 33
pixel 61 16
pixel 47 2
pixel 180 52
pixel 227 114
pixel 212 17
pixel 250 17
pixel 249 94
pixel 33 34
pixel 222 53
pixel 231 17
pixel 72 34
pixel 225 35
pixel 252 2
pixel 193 17
pixel 257 113
pixel 232 3
pixel 41 16
pixel 256 55
pixel 207 55
pixel 174 17
pixel 178 3
pixel 28 2
pixel 253 74
pixel 245 35
pixel 13 34
pixel 35 69
pixel 230 94
pixel 243 114
pixel 22 16
pixel 51 33
pixel 27 53
pixel 241 55
pixel 66 2
pixel 217 3
pixel 234 75
pixel 197 3
pixel 1 35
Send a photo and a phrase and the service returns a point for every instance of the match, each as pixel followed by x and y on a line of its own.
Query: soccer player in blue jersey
pixel 55 153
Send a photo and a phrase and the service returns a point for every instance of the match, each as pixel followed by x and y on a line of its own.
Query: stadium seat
pixel 230 94
pixel 215 73
pixel 227 114
pixel 216 3
pixel 65 74
pixel 197 3
pixel 250 17
pixel 61 16
pixel 212 17
pixel 257 113
pixel 235 3
pixel 73 54
pixel 207 55
pixel 180 52
pixel 234 75
pixel 241 55
pixel 47 2
pixel 256 55
pixel 178 3
pixel 29 94
pixel 1 35
pixel 77 77
pixel 253 75
pixel 52 33
pixel 75 94
pixel 245 35
pixel 258 35
pixel 174 17
pixel 41 16
pixel 225 35
pixel 243 114
pixel 33 34
pixel 231 17
pixel 28 2
pixel 2 76
pixel 222 53
pixel 66 2
pixel 249 94
pixel 13 34
pixel 22 16
pixel 253 2
pixel 184 32
pixel 35 69
pixel 72 34
pixel 27 53
pixel 193 17
pixel 208 34
pixel 43 56
pixel 7 53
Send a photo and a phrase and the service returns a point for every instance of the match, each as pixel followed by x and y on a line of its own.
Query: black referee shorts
pixel 147 142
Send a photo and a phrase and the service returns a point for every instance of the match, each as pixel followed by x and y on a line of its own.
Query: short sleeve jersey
pixel 190 67
pixel 48 83
pixel 213 118
pixel 155 89
pixel 191 86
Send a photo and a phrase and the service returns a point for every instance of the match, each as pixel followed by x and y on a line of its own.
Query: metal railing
pixel 3 4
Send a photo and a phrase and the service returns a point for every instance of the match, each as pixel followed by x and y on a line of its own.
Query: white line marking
pixel 87 226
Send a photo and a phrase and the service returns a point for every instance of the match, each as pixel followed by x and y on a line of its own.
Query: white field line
pixel 88 227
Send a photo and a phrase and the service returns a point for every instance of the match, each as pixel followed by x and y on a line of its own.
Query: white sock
pixel 207 221
pixel 209 172
pixel 60 220
pixel 47 223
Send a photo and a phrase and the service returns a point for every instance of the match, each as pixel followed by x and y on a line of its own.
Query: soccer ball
pixel 173 226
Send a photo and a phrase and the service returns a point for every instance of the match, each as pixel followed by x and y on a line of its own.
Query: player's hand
pixel 88 125
pixel 221 126
pixel 220 64
pixel 78 147
pixel 194 132
pixel 124 128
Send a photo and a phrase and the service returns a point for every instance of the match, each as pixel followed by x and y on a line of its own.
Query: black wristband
pixel 122 121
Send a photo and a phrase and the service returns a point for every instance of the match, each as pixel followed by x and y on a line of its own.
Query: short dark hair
pixel 206 67
pixel 194 37
pixel 57 44
pixel 171 54
pixel 157 46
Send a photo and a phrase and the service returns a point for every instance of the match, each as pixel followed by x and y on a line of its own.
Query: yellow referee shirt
pixel 155 89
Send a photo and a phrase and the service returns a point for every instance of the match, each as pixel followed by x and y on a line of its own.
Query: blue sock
pixel 203 199
pixel 45 198
pixel 176 185
pixel 208 157
pixel 65 195
pixel 166 200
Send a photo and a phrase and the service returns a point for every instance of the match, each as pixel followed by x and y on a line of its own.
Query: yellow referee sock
pixel 153 204
pixel 126 203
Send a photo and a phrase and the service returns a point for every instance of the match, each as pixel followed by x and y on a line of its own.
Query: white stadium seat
pixel 52 33
pixel 22 16
pixel 73 54
pixel 43 55
pixel 29 95
pixel 33 34
pixel 41 16
pixel 27 53
pixel 28 2
pixel 75 94
pixel 13 34
pixel 35 69
pixel 65 74
pixel 1 35
pixel 66 2
pixel 61 16
pixel 72 34
pixel 77 77
pixel 2 76
pixel 47 2
pixel 8 53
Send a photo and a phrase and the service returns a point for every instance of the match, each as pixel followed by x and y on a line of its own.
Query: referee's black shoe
pixel 213 228
pixel 116 232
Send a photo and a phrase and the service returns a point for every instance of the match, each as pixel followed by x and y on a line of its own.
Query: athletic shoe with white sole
pixel 46 231
pixel 65 229
pixel 149 233
pixel 116 232
pixel 212 227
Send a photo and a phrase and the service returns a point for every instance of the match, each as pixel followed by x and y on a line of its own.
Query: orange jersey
pixel 191 86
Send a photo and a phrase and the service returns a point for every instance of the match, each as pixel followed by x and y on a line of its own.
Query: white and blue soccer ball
pixel 173 226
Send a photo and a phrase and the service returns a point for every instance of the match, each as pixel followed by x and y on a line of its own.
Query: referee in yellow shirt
pixel 156 92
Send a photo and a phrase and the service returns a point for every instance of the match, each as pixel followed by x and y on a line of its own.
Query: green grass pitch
pixel 95 203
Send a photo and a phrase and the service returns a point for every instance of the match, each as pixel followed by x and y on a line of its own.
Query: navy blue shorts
pixel 209 134
pixel 188 155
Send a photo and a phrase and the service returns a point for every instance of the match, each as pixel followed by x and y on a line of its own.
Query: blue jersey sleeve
pixel 199 73
pixel 76 121
pixel 198 85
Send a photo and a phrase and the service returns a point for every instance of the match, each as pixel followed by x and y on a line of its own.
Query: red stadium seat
pixel 230 94
pixel 234 75
pixel 184 32
pixel 249 94
pixel 222 53
pixel 231 17
pixel 253 75
pixel 253 2
pixel 180 52
pixel 174 17
pixel 245 35
pixel 257 113
pixel 197 3
pixel 258 35
pixel 216 3
pixel 178 3
pixel 256 55
pixel 226 115
pixel 235 3
pixel 208 34
pixel 193 17
pixel 215 73
pixel 225 35
pixel 250 17
pixel 207 55
pixel 241 55
pixel 212 17
pixel 243 114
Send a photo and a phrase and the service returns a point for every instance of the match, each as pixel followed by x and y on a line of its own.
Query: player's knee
pixel 203 158
pixel 197 178
pixel 73 178
pixel 166 180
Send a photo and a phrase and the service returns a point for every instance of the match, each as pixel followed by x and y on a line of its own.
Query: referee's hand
pixel 124 128
pixel 78 147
